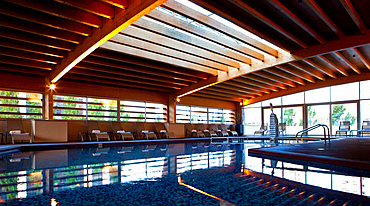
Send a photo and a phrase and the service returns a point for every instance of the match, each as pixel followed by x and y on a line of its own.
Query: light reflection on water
pixel 36 172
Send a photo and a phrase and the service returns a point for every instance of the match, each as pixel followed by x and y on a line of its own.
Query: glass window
pixel 297 98
pixel 317 114
pixel 275 102
pixel 343 112
pixel 215 116
pixel 228 116
pixel 317 95
pixel 102 109
pixel 293 118
pixel 199 115
pixel 20 105
pixel 365 89
pixel 69 107
pixel 258 104
pixel 182 114
pixel 345 92
pixel 252 120
pixel 365 110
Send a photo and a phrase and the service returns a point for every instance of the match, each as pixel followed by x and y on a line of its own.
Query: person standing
pixel 274 129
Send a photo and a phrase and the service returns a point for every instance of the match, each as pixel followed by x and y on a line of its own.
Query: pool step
pixel 286 194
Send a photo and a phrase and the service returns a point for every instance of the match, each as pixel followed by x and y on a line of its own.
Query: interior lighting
pixel 177 99
pixel 52 86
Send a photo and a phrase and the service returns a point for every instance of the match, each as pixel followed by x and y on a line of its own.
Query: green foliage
pixel 9 101
pixel 311 119
pixel 337 112
pixel 158 118
pixel 126 117
pixel 11 188
pixel 69 111
pixel 142 116
pixel 289 115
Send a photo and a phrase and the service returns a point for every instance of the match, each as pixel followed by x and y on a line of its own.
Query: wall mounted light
pixel 52 86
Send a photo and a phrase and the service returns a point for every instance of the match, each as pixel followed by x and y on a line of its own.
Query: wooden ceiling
pixel 179 50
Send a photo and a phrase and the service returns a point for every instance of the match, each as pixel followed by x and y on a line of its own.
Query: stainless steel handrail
pixel 325 127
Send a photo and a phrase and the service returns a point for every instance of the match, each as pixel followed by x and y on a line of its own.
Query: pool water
pixel 197 173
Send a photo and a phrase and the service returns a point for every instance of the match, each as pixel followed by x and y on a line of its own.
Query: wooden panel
pixel 81 88
pixel 50 131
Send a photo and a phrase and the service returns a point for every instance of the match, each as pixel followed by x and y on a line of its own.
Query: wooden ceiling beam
pixel 286 75
pixel 332 65
pixel 324 17
pixel 36 39
pixel 210 5
pixel 123 78
pixel 215 97
pixel 235 89
pixel 123 19
pixel 268 22
pixel 220 27
pixel 220 94
pixel 26 62
pixel 266 81
pixel 152 64
pixel 177 45
pixel 362 58
pixel 44 19
pixel 128 50
pixel 42 30
pixel 29 55
pixel 328 72
pixel 278 79
pixel 112 70
pixel 96 80
pixel 292 70
pixel 283 9
pixel 63 11
pixel 118 3
pixel 347 4
pixel 308 70
pixel 91 6
pixel 245 80
pixel 217 44
pixel 228 92
pixel 10 43
pixel 241 87
pixel 347 62
pixel 99 63
pixel 191 62
pixel 23 69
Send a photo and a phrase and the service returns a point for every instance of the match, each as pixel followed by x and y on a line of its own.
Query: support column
pixel 171 108
pixel 48 101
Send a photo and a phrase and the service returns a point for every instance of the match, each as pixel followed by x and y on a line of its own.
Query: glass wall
pixel 328 105
pixel 82 108
pixel 204 115
pixel 24 105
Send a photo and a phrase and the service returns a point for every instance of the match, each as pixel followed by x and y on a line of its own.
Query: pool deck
pixel 346 152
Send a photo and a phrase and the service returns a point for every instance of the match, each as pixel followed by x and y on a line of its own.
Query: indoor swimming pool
pixel 194 173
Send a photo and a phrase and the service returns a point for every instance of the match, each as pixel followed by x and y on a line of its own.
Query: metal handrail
pixel 325 127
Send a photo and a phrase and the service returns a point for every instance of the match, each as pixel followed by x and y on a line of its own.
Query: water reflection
pixel 36 172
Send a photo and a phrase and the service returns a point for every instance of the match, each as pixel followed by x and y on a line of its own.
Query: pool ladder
pixel 326 132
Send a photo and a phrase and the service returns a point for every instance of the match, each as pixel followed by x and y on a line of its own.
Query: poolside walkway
pixel 346 152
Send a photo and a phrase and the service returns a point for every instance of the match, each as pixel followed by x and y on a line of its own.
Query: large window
pixel 82 108
pixel 343 112
pixel 20 105
pixel 328 105
pixel 204 115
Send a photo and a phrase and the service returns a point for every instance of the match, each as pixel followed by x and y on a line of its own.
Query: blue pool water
pixel 172 174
